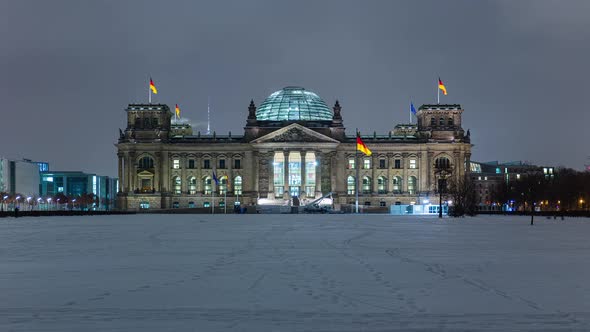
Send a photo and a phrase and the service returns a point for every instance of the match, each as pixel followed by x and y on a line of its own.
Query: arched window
pixel 207 185
pixel 412 185
pixel 238 185
pixel 442 163
pixel 432 121
pixel 223 185
pixel 145 163
pixel 382 185
pixel 192 185
pixel 366 185
pixel 450 122
pixel 397 185
pixel 441 121
pixel 351 185
pixel 176 185
pixel 147 123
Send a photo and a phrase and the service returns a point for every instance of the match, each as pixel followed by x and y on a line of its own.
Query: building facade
pixel 489 178
pixel 293 145
pixel 74 184
pixel 19 177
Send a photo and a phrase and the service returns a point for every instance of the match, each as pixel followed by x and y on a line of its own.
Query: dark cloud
pixel 70 67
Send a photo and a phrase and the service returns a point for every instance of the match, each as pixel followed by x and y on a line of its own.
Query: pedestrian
pixel 16 211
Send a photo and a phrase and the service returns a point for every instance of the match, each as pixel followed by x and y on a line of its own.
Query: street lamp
pixel 442 171
pixel 29 202
pixel 17 204
pixel 48 202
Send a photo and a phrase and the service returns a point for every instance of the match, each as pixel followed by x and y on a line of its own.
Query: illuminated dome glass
pixel 293 104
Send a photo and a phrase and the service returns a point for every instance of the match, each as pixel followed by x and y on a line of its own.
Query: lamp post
pixel 17 204
pixel 29 202
pixel 442 174
pixel 4 201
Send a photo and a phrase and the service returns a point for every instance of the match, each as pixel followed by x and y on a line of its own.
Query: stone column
pixel 374 161
pixel 120 173
pixel 126 173
pixel 230 174
pixel 165 166
pixel 286 170
pixel 405 178
pixel 390 164
pixel 199 176
pixel 303 172
pixel 133 168
pixel 318 173
pixel 156 179
pixel 183 179
pixel 270 174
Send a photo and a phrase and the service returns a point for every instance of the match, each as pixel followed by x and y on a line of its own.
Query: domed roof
pixel 293 104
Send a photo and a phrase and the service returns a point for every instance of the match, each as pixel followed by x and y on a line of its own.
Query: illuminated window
pixel 192 185
pixel 222 185
pixel 238 185
pixel 367 163
pixel 351 163
pixel 177 184
pixel 412 185
pixel 397 185
pixel 350 185
pixel 366 185
pixel 413 163
pixel 279 174
pixel 176 163
pixel 207 185
pixel 518 176
pixel 382 185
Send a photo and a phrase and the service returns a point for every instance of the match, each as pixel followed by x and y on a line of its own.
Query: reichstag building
pixel 293 145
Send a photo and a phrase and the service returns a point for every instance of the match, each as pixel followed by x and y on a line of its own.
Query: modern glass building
pixel 74 184
pixel 293 149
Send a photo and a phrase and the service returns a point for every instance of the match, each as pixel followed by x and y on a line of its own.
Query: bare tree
pixel 462 193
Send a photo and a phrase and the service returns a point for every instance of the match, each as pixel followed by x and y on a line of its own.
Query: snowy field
pixel 293 273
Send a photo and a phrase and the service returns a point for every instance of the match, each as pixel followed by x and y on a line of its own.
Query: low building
pixel 74 184
pixel 489 177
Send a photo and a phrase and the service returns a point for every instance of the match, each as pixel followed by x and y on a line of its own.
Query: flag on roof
pixel 360 145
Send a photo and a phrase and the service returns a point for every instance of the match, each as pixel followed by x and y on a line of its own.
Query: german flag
pixel 360 145
pixel 153 87
pixel 177 110
pixel 442 87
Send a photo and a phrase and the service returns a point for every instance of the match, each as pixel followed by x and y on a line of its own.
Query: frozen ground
pixel 293 273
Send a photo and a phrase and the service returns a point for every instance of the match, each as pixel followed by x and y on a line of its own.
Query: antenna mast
pixel 208 112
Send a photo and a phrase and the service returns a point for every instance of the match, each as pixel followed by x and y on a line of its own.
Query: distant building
pixel 293 146
pixel 19 177
pixel 488 177
pixel 73 184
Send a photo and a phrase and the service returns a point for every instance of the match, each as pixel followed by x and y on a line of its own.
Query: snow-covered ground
pixel 293 273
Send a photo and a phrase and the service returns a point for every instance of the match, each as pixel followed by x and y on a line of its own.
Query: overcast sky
pixel 520 69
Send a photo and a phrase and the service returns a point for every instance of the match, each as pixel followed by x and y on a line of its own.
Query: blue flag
pixel 412 108
pixel 215 178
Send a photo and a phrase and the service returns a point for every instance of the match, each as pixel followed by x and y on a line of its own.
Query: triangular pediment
pixel 294 133
pixel 145 173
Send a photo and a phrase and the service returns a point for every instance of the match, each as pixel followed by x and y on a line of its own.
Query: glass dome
pixel 293 104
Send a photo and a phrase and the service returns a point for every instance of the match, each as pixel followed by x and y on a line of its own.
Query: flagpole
pixel 410 111
pixel 356 165
pixel 150 94
pixel 225 196
pixel 437 93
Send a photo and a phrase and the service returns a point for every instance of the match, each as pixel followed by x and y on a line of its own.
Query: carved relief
pixel 294 135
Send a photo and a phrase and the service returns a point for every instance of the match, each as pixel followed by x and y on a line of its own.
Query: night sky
pixel 519 68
